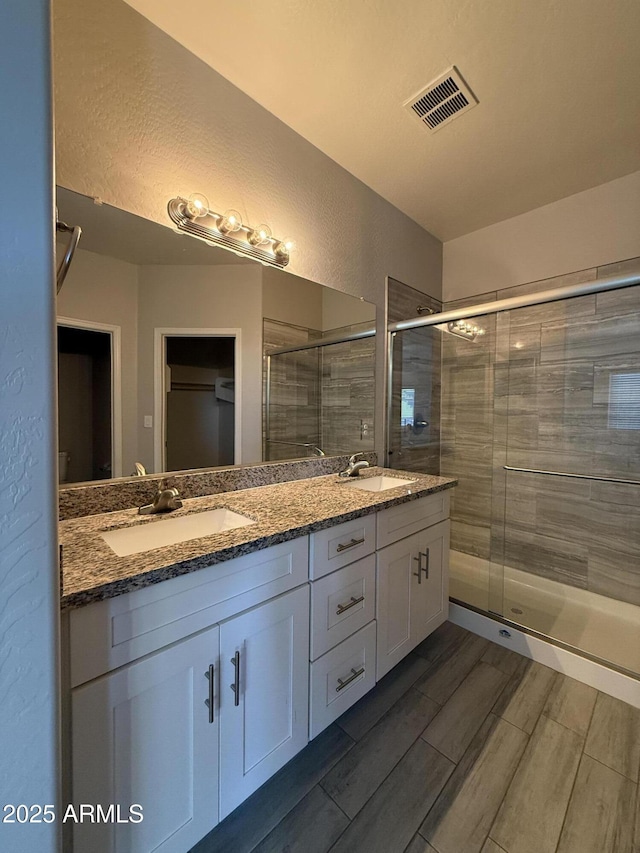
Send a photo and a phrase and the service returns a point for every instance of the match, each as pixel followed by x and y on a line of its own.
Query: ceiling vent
pixel 442 101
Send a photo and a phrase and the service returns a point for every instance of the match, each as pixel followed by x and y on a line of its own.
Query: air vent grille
pixel 444 99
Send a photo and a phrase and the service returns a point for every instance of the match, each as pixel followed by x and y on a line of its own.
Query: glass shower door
pixel 569 535
pixel 292 405
pixel 413 442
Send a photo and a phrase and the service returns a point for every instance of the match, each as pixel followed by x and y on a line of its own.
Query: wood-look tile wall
pixel 322 396
pixel 295 392
pixel 416 365
pixel 535 392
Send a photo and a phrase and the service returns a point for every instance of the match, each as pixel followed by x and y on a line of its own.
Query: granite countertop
pixel 91 571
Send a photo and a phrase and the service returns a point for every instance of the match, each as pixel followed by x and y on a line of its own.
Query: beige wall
pixel 216 297
pixel 140 119
pixel 105 290
pixel 339 310
pixel 291 300
pixel 589 229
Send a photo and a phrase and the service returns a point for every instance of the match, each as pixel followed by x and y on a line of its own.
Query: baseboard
pixel 582 669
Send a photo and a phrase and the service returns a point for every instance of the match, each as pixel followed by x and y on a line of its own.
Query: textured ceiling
pixel 557 81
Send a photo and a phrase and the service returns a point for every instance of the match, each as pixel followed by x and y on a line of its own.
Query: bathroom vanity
pixel 198 669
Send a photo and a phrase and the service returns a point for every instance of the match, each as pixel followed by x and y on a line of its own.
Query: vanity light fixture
pixel 194 216
pixel 465 329
pixel 462 329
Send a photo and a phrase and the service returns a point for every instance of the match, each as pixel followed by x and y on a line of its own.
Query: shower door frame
pixel 494 308
pixel 315 344
pixel 556 294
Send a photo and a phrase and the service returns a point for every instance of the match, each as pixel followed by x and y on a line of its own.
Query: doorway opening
pixel 199 418
pixel 88 446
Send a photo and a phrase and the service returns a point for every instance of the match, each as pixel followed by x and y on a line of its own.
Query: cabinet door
pixel 412 593
pixel 397 567
pixel 430 594
pixel 144 735
pixel 264 694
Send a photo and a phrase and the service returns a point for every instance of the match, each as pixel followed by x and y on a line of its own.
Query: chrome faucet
pixel 353 468
pixel 165 500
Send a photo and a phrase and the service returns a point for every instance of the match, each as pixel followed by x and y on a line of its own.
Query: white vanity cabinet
pixel 144 735
pixel 343 628
pixel 189 694
pixel 412 579
pixel 177 727
pixel 264 700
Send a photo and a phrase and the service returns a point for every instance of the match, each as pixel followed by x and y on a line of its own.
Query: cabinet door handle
pixel 235 660
pixel 352 603
pixel 418 560
pixel 344 682
pixel 352 544
pixel 426 570
pixel 209 702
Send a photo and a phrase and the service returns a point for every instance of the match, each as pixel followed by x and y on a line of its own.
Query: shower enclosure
pixel 540 422
pixel 319 397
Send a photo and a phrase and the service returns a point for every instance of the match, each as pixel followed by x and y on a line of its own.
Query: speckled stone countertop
pixel 91 571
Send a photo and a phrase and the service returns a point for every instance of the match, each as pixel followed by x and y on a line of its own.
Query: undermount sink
pixel 380 483
pixel 170 531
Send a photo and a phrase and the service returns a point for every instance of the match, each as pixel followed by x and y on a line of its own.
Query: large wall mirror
pixel 174 354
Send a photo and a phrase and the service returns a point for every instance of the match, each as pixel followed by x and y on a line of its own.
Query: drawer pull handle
pixel 351 544
pixel 342 607
pixel 343 682
pixel 209 702
pixel 235 660
pixel 418 574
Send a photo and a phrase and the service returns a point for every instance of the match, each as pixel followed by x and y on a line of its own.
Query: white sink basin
pixel 170 531
pixel 379 483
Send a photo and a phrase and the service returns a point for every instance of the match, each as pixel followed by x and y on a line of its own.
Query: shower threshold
pixel 602 629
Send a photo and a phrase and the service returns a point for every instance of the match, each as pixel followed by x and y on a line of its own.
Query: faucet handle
pixel 352 459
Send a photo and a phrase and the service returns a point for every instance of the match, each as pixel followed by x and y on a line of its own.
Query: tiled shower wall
pixel 535 391
pixel 416 365
pixel 295 392
pixel 323 396
pixel 347 395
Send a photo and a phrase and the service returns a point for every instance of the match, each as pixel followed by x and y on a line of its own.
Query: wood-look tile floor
pixel 464 747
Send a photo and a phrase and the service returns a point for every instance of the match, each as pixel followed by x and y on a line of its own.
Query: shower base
pixel 602 627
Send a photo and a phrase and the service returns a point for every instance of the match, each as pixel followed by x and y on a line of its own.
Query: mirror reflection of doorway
pixel 85 404
pixel 200 394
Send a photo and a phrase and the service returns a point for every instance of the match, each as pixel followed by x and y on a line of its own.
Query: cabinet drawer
pixel 341 604
pixel 108 634
pixel 341 677
pixel 340 545
pixel 399 521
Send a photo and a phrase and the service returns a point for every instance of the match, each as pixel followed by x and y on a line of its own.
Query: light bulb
pixel 229 222
pixel 197 205
pixel 282 249
pixel 260 235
